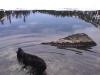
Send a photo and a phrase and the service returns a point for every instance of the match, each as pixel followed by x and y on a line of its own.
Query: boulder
pixel 79 40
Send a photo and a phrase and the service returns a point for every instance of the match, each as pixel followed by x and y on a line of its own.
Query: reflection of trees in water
pixel 8 14
pixel 17 14
pixel 55 13
pixel 2 14
pixel 89 16
pixel 20 14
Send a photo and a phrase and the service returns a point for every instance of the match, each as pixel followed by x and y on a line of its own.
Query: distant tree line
pixel 88 16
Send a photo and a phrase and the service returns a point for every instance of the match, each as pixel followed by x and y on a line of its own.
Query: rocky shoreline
pixel 79 40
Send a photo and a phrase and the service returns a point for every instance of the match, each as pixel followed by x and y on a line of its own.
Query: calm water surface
pixel 29 31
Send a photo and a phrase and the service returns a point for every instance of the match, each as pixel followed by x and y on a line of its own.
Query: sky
pixel 50 4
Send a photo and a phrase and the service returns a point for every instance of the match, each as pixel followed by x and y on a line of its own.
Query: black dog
pixel 37 64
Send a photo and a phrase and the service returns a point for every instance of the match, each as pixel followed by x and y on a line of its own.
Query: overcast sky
pixel 50 4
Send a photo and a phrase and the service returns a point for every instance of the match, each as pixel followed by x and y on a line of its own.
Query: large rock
pixel 79 40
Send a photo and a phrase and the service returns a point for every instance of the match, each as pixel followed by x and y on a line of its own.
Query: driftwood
pixel 37 65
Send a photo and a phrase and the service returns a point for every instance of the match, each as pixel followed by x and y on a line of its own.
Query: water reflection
pixel 17 14
pixel 88 16
pixel 29 28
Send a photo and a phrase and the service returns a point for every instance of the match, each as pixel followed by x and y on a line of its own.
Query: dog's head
pixel 20 50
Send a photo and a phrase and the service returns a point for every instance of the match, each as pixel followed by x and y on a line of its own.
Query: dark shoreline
pixel 92 17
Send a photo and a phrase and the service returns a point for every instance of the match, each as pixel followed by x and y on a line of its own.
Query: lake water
pixel 29 31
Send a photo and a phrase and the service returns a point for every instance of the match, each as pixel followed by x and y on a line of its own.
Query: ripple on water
pixel 59 61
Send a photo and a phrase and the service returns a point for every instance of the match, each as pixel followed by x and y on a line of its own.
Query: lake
pixel 28 29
